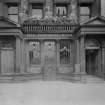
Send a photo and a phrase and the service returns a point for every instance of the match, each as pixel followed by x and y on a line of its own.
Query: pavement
pixel 52 93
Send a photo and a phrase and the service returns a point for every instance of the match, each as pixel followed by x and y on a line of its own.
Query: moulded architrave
pixel 11 1
pixel 30 1
pixel 61 1
pixel 86 1
pixel 36 1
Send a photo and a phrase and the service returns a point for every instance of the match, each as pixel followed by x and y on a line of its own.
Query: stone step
pixel 94 79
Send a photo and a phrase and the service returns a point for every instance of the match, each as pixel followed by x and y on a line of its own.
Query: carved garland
pixel 50 21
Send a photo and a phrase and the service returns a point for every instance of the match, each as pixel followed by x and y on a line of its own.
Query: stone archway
pixel 92 53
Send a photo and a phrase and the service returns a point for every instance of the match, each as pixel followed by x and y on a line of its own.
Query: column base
pixel 77 69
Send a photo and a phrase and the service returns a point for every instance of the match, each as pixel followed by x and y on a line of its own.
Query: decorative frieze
pixel 48 36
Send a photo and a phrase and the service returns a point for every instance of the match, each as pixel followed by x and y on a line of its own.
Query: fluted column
pixel 48 8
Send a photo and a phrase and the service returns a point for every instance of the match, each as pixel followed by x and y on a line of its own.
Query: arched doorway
pixel 92 49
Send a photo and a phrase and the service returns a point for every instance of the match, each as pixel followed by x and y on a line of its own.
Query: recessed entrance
pixel 50 59
pixel 91 61
pixel 92 48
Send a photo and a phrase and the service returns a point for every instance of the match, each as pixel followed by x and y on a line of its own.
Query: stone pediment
pixel 7 23
pixel 97 20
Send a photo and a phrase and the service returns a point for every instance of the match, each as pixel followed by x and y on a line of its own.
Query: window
pixel 13 12
pixel 84 13
pixel 61 10
pixel 34 53
pixel 37 11
pixel 65 52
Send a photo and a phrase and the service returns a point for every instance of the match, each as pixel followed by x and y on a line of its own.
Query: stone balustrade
pixel 31 29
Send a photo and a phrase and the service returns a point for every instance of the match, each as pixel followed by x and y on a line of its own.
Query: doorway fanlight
pixel 92 44
pixel 92 48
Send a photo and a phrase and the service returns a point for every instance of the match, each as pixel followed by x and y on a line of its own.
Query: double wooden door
pixel 92 61
pixel 7 61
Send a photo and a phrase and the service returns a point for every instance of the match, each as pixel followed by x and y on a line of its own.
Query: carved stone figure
pixel 73 14
pixel 23 14
pixel 48 9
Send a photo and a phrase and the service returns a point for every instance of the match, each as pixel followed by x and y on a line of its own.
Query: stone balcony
pixel 57 25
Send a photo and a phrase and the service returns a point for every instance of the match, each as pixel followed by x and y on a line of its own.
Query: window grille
pixel 35 53
pixel 61 10
pixel 65 52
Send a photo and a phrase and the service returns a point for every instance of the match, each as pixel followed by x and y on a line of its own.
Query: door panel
pixel 50 60
pixel 7 61
pixel 49 53
pixel 91 62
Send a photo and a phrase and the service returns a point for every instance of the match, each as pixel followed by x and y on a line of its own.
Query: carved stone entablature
pixel 50 25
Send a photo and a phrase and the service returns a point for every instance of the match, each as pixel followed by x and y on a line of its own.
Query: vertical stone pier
pixel 23 10
pixel 74 10
pixel 1 8
pixel 48 8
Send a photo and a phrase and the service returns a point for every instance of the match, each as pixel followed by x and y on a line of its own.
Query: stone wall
pixel 103 7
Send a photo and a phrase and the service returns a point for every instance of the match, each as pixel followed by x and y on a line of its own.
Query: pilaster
pixel 22 57
pixel 77 65
pixel 1 8
pixel 48 8
pixel 82 55
pixel 74 10
pixel 103 57
pixel 18 59
pixel 58 54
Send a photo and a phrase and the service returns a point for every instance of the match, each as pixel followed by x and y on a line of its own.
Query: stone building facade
pixel 51 39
